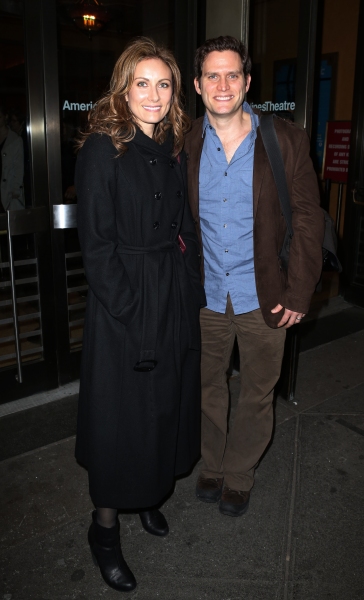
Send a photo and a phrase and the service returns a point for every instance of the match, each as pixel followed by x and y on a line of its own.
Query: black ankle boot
pixel 106 553
pixel 154 522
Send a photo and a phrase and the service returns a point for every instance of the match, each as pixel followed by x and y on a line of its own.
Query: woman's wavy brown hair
pixel 111 114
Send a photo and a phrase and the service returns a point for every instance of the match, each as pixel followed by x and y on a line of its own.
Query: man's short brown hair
pixel 219 44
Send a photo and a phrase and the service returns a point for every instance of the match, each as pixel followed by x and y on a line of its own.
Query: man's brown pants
pixel 234 454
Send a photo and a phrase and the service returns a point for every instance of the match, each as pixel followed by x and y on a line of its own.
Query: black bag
pixel 330 261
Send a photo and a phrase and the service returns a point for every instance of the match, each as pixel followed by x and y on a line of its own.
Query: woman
pixel 139 413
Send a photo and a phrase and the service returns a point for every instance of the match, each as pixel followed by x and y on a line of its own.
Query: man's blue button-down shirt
pixel 226 214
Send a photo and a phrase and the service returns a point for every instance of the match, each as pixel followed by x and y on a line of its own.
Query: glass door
pixel 273 46
pixel 27 338
pixel 55 62
pixel 354 211
pixel 82 52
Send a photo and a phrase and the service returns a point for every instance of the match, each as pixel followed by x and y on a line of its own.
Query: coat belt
pixel 150 293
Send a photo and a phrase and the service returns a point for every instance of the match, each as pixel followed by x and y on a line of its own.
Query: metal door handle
pixel 64 216
pixel 20 222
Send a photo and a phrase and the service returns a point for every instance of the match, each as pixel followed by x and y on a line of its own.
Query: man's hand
pixel 289 316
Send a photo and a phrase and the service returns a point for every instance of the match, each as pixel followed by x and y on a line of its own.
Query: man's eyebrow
pixel 236 72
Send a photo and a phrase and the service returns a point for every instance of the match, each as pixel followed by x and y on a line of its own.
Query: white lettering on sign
pixel 337 151
pixel 76 106
pixel 268 105
pixel 343 146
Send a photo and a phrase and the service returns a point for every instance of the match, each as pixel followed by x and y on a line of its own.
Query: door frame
pixel 352 291
pixel 37 376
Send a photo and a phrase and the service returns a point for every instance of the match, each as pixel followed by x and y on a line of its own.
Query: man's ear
pixel 247 82
pixel 197 85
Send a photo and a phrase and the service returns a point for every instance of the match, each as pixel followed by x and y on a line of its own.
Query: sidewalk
pixel 301 539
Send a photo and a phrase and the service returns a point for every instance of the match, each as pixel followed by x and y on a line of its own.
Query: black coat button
pixel 179 194
pixel 158 195
pixel 156 225
pixel 153 161
pixel 171 164
pixel 174 225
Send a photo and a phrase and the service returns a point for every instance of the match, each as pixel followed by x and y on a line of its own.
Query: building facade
pixel 56 61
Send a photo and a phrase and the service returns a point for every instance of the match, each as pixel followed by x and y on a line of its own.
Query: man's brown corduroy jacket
pixel 293 290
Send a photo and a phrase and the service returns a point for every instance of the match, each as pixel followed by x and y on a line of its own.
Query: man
pixel 238 217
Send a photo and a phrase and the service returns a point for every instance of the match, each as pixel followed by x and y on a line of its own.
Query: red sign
pixel 337 151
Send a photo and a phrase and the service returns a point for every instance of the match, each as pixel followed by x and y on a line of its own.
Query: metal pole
pixel 338 209
pixel 19 377
pixel 293 364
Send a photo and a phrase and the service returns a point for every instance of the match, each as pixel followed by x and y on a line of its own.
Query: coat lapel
pixel 194 156
pixel 260 165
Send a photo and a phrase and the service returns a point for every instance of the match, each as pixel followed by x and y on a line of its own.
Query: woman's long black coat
pixel 137 429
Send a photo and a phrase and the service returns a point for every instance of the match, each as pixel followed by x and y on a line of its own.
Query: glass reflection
pixel 16 194
pixel 86 61
pixel 11 165
pixel 273 48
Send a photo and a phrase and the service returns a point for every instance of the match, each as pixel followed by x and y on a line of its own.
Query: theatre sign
pixel 337 150
pixel 274 106
pixel 76 106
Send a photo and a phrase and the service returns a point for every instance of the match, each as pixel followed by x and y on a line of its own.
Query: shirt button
pixel 218 149
pixel 225 174
pixel 226 250
pixel 174 225
pixel 225 199
pixel 156 225
pixel 153 161
pixel 179 194
pixel 225 226
pixel 158 195
pixel 227 274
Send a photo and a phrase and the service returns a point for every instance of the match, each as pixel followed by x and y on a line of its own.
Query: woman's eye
pixel 141 84
pixel 165 85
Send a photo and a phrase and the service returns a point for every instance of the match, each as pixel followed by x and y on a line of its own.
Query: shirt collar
pixel 247 108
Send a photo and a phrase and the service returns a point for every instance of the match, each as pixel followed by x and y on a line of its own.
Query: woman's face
pixel 151 93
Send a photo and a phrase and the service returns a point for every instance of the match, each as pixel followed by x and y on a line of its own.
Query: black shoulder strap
pixel 274 154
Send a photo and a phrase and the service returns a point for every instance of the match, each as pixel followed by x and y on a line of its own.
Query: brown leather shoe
pixel 233 502
pixel 209 489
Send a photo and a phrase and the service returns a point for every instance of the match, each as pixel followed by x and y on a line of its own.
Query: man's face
pixel 223 84
pixel 15 124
